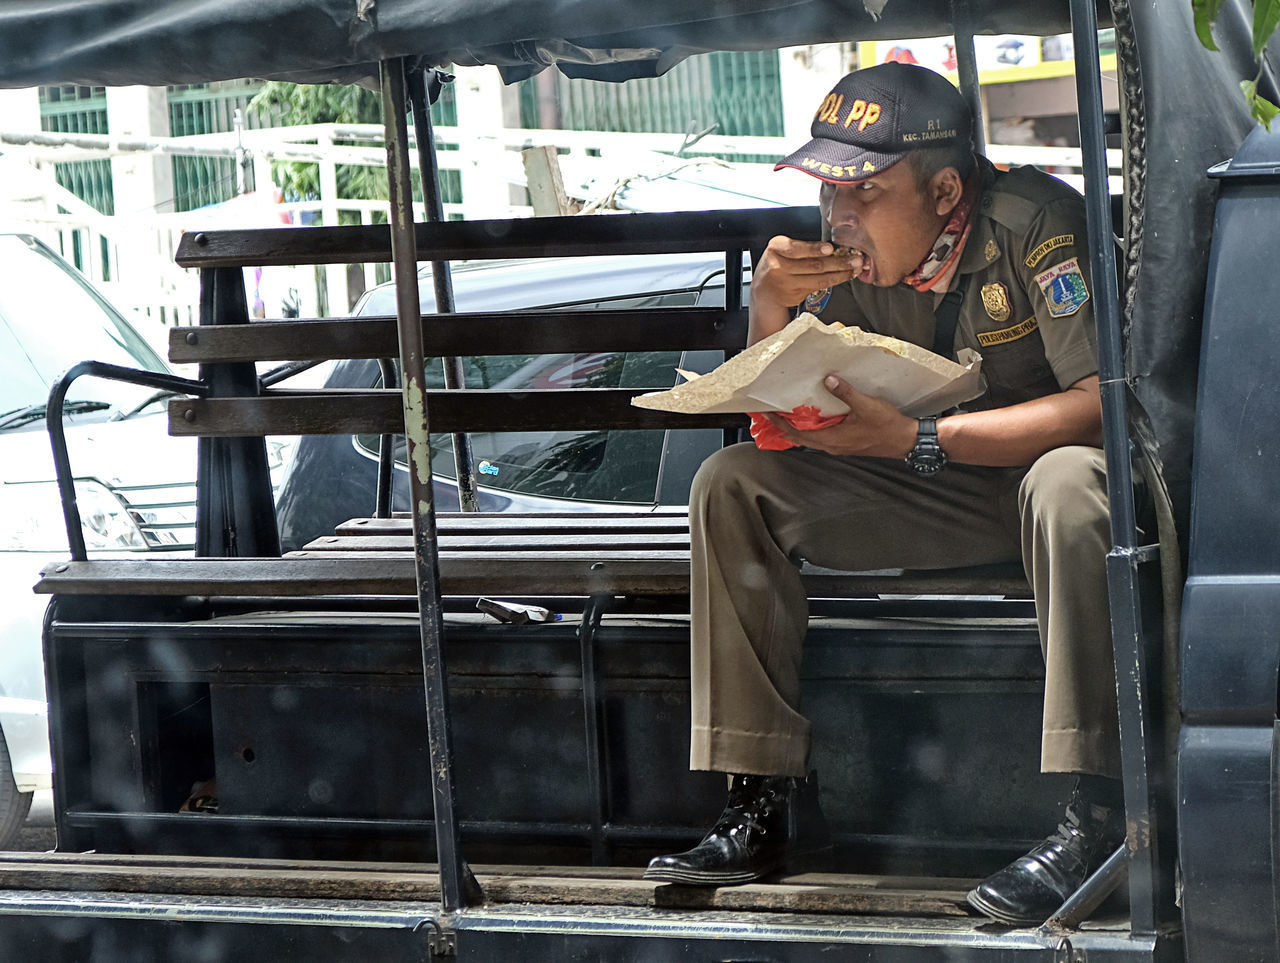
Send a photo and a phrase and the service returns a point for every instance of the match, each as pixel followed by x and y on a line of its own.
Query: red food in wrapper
pixel 803 417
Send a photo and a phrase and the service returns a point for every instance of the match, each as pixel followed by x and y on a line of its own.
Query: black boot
pixel 751 838
pixel 1028 890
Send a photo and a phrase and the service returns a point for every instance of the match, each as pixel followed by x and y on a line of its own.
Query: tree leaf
pixel 1262 110
pixel 1206 12
pixel 1266 17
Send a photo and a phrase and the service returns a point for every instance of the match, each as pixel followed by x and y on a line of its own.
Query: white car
pixel 134 483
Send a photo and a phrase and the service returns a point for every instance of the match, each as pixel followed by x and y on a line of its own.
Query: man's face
pixel 888 217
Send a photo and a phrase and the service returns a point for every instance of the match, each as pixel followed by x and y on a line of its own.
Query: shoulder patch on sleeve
pixel 1042 250
pixel 816 301
pixel 1064 289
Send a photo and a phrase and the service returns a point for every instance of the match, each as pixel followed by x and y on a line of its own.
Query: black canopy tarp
pixel 158 42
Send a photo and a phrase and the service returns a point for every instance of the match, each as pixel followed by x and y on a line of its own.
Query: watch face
pixel 927 461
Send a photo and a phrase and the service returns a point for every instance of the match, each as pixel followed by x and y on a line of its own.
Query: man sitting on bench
pixel 913 213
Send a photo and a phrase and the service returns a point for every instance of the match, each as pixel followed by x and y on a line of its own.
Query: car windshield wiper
pixel 25 415
pixel 145 404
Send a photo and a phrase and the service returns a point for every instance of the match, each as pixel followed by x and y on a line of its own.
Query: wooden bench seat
pixel 504 555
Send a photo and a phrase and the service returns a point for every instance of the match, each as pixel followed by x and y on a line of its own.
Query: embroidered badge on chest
pixel 991 251
pixel 1064 289
pixel 995 298
pixel 816 301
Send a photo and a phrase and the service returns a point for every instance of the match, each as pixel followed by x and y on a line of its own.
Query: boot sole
pixel 705 877
pixel 816 861
pixel 977 901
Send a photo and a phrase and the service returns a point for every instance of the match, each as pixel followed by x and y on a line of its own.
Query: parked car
pixel 526 471
pixel 134 483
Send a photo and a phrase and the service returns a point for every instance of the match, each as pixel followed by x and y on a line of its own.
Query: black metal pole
pixel 386 445
pixel 1102 262
pixel 967 69
pixel 441 275
pixel 1137 689
pixel 455 877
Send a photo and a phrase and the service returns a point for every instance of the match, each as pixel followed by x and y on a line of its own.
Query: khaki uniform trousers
pixel 754 514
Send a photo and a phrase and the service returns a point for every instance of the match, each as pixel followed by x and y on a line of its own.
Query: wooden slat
pixel 522 237
pixel 496 333
pixel 373 573
pixel 586 524
pixel 506 574
pixel 380 411
pixel 547 885
pixel 566 543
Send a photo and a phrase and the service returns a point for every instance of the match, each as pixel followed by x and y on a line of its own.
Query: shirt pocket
pixel 1017 370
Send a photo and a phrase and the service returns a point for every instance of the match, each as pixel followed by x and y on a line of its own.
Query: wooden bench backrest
pixel 227 340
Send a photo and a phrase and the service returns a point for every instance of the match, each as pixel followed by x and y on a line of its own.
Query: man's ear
pixel 945 190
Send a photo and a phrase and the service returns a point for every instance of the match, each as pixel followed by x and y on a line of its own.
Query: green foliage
pixel 1266 18
pixel 298 104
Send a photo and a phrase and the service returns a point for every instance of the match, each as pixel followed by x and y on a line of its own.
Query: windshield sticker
pixel 487 468
pixel 1064 289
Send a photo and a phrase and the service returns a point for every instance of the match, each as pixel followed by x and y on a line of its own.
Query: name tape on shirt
pixel 1064 289
pixel 1020 330
pixel 1041 251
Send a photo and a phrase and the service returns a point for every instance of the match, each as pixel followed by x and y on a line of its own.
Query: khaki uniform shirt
pixel 1028 310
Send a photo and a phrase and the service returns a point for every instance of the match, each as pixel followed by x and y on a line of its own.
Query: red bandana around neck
pixel 936 270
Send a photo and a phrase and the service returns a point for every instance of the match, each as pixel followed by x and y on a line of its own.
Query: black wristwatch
pixel 927 457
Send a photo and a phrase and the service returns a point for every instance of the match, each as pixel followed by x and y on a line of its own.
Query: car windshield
pixel 50 319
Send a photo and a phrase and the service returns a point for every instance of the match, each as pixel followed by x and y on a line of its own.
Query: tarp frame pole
pixel 967 69
pixel 1138 688
pixel 441 273
pixel 457 886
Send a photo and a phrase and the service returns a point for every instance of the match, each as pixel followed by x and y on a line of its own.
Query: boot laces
pixel 1083 829
pixel 751 801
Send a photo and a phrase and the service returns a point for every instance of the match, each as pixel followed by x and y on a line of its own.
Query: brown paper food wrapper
pixel 786 370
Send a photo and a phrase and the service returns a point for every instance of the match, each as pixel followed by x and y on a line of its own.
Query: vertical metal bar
pixel 453 871
pixel 593 717
pixel 441 275
pixel 1137 696
pixel 235 507
pixel 967 69
pixel 733 280
pixel 386 445
pixel 732 302
pixel 1102 261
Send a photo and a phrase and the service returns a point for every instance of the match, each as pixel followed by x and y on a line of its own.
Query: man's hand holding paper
pixel 877 377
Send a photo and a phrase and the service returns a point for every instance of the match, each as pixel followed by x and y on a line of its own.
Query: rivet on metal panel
pixel 192 337
pixel 189 415
pixel 202 240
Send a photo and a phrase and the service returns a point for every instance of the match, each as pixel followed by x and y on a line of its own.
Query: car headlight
pixel 32 513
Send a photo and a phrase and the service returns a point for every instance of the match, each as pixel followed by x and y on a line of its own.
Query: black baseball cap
pixel 872 118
